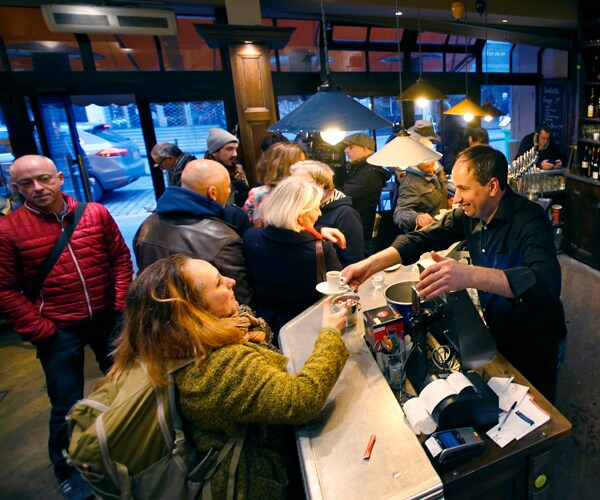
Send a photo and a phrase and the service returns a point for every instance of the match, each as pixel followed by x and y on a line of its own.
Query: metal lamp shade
pixel 403 152
pixel 465 107
pixel 330 108
pixel 491 110
pixel 421 90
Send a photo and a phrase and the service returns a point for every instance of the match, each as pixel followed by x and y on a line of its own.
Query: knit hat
pixel 217 138
pixel 364 140
pixel 423 129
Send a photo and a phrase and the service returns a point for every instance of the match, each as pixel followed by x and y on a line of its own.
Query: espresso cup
pixel 335 280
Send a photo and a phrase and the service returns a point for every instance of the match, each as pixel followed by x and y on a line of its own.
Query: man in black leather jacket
pixel 190 220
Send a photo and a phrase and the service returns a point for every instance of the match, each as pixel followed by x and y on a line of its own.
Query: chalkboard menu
pixel 553 109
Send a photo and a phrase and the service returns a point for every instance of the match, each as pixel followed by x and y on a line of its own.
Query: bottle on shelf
pixel 593 160
pixel 591 107
pixel 595 165
pixel 585 162
pixel 595 70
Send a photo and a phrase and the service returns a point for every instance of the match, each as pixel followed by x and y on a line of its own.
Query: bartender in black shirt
pixel 515 269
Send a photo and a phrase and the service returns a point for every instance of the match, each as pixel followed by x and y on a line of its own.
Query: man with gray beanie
pixel 222 147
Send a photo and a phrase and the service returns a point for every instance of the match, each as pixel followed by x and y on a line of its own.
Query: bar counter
pixel 361 404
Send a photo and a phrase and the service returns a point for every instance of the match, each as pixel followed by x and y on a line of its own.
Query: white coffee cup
pixel 335 280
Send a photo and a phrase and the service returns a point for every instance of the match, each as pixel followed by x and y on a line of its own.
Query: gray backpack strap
pixel 236 443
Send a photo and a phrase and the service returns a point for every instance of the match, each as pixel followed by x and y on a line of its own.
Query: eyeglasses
pixel 157 165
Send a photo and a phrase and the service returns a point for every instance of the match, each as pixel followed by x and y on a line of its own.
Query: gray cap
pixel 423 129
pixel 364 140
pixel 217 138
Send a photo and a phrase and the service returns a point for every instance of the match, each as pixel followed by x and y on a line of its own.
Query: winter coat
pixel 189 223
pixel 340 214
pixel 247 384
pixel 174 176
pixel 90 278
pixel 364 183
pixel 420 193
pixel 283 268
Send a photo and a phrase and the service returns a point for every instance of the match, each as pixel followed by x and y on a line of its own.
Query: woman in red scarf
pixel 282 257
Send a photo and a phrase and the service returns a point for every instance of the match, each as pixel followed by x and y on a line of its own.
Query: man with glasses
pixel 515 269
pixel 169 157
pixel 78 303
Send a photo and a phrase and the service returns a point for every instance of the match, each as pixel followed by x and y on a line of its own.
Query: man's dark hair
pixel 478 134
pixel 164 149
pixel 272 138
pixel 545 127
pixel 486 162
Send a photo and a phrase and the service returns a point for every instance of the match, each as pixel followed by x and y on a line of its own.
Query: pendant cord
pixel 419 39
pixel 325 45
pixel 399 64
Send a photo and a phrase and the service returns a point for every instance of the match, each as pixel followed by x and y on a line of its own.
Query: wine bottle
pixel 596 165
pixel 595 69
pixel 588 173
pixel 591 107
pixel 585 162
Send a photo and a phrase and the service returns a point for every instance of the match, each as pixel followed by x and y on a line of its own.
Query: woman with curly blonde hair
pixel 181 307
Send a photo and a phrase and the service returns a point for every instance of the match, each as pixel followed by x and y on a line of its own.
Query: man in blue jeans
pixel 79 302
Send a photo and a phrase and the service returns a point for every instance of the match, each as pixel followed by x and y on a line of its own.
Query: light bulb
pixel 422 102
pixel 332 135
pixel 488 118
pixel 468 117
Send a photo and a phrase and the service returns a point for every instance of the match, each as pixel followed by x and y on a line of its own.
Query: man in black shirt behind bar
pixel 515 268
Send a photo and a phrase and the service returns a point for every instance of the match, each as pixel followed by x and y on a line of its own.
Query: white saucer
pixel 324 289
pixel 391 268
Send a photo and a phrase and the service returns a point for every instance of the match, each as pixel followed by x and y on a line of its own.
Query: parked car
pixel 113 160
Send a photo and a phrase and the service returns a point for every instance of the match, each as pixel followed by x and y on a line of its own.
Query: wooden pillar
pixel 255 100
pixel 249 48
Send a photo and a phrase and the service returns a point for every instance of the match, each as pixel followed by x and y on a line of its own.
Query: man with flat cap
pixel 222 147
pixel 363 182
pixel 190 220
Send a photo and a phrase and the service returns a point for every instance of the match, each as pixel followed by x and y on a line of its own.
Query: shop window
pixel 427 37
pixel 431 62
pixel 347 60
pixel 385 35
pixel 496 57
pixel 124 52
pixel 188 51
pixel 384 61
pixel 349 33
pixel 301 54
pixel 460 63
pixel 525 59
pixel 32 47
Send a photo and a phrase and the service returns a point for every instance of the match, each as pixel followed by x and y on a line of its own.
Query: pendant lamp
pixel 467 108
pixel 491 111
pixel 330 111
pixel 421 91
pixel 402 151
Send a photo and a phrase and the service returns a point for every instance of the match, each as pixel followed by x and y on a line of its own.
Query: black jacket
pixel 283 267
pixel 340 214
pixel 364 183
pixel 189 223
pixel 552 152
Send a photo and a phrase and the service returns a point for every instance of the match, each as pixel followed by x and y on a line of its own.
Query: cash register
pixel 459 331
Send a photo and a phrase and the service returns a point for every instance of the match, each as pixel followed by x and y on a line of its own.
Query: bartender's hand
pixel 359 272
pixel 334 235
pixel 444 276
pixel 334 319
pixel 546 165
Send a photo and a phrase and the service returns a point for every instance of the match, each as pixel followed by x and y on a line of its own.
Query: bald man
pixel 191 220
pixel 78 302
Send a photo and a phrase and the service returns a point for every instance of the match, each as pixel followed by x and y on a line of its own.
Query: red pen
pixel 367 454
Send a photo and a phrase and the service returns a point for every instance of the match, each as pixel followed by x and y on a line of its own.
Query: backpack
pixel 127 441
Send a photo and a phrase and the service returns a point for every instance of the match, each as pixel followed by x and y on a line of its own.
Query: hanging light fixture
pixel 402 151
pixel 421 91
pixel 330 111
pixel 491 111
pixel 466 108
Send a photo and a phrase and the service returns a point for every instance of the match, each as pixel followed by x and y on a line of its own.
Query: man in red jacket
pixel 79 301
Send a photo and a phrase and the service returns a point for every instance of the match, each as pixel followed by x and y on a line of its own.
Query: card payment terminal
pixel 454 444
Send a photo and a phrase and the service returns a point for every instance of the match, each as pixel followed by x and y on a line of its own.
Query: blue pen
pixel 525 417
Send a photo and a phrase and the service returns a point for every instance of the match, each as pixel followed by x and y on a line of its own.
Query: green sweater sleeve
pixel 248 383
